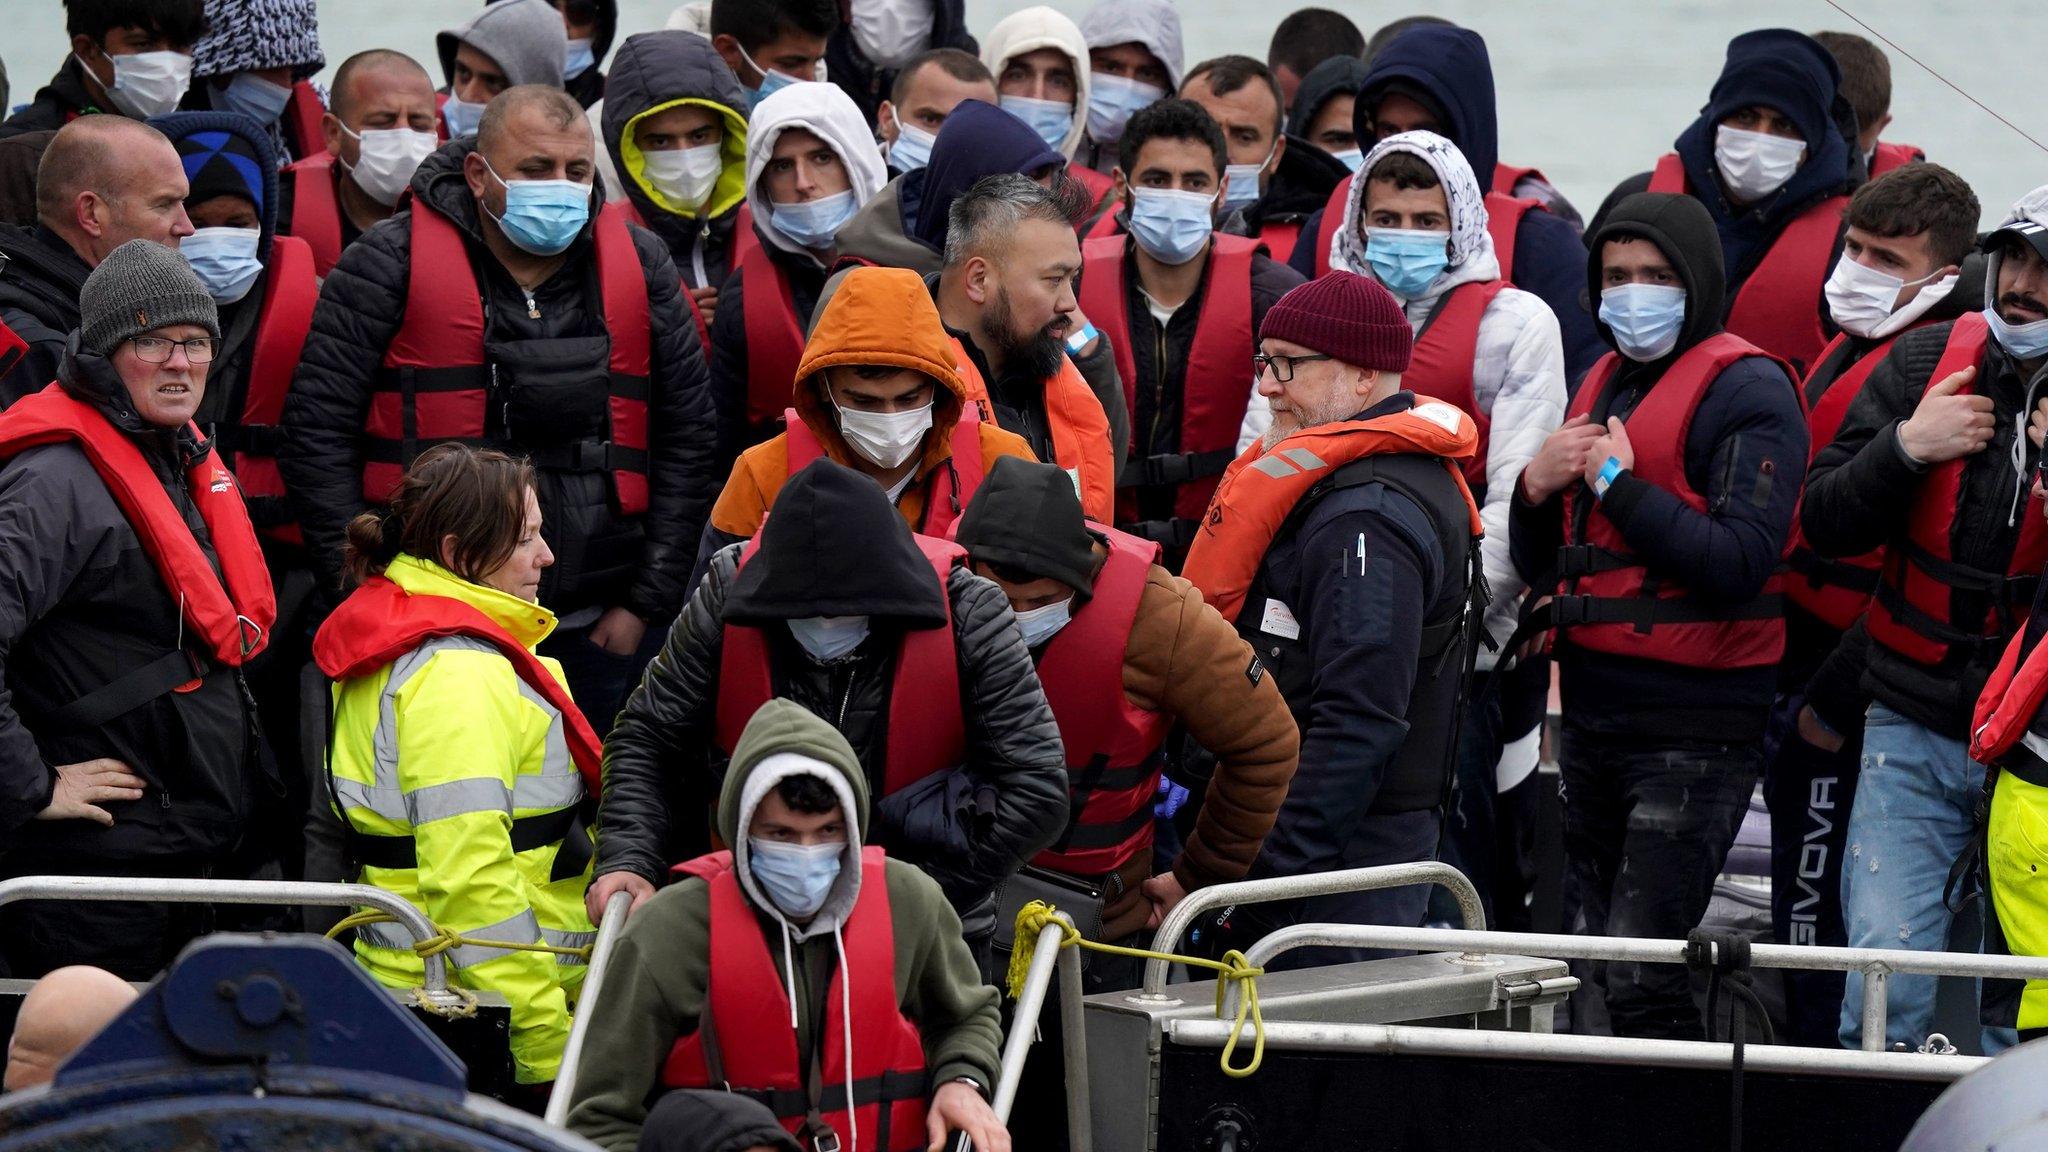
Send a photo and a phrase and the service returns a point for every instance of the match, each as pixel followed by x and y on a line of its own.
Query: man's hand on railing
pixel 1164 891
pixel 958 1107
pixel 83 787
pixel 606 886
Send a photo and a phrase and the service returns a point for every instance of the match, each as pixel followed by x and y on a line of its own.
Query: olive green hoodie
pixel 654 990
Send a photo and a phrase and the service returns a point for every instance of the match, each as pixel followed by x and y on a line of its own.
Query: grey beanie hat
pixel 140 287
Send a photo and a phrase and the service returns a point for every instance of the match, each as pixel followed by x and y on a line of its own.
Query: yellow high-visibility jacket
pixel 448 746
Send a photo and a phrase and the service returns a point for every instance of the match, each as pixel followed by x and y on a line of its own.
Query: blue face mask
pixel 1043 623
pixel 1645 319
pixel 543 216
pixel 1171 225
pixel 461 116
pixel 797 877
pixel 828 638
pixel 225 260
pixel 814 223
pixel 580 58
pixel 912 148
pixel 1112 100
pixel 252 96
pixel 1051 119
pixel 1241 182
pixel 2027 341
pixel 1351 158
pixel 1407 260
pixel 771 82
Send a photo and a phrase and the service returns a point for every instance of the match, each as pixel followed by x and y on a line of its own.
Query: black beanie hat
pixel 1027 517
pixel 834 545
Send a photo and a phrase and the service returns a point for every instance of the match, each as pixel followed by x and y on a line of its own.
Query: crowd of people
pixel 828 478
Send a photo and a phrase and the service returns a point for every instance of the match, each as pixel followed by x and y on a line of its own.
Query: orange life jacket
pixel 1112 745
pixel 949 488
pixel 1778 306
pixel 437 382
pixel 1913 614
pixel 290 291
pixel 926 734
pixel 1260 489
pixel 1608 599
pixel 316 209
pixel 745 1044
pixel 1888 156
pixel 1440 366
pixel 1503 222
pixel 1215 385
pixel 228 614
pixel 1080 430
pixel 1834 590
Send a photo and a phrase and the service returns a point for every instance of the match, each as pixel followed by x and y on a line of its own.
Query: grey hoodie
pixel 525 37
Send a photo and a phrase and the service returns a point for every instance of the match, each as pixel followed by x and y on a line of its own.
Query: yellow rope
pixel 443 939
pixel 1232 969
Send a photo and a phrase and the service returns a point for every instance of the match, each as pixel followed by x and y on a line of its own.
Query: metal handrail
pixel 181 890
pixel 1296 887
pixel 1047 956
pixel 614 922
pixel 1876 964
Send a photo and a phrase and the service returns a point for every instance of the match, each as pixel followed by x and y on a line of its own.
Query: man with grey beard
pixel 1344 546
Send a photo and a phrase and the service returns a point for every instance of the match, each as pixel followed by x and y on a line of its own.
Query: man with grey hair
pixel 498 309
pixel 103 181
pixel 1006 294
pixel 136 594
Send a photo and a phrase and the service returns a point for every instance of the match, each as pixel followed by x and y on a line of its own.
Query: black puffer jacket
pixel 601 558
pixel 855 557
pixel 1860 493
pixel 83 605
pixel 39 284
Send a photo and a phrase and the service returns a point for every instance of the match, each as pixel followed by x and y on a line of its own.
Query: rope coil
pixel 1230 970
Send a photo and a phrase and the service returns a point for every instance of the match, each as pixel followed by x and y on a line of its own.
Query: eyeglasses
pixel 157 350
pixel 1282 366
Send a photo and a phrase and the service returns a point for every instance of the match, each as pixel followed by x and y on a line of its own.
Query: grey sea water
pixel 1590 90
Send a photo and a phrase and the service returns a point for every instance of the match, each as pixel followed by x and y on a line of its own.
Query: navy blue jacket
pixel 1745 452
pixel 978 139
pixel 1362 633
pixel 1449 68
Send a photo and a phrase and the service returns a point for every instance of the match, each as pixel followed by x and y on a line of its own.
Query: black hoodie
pixel 40 278
pixel 1744 452
pixel 847 66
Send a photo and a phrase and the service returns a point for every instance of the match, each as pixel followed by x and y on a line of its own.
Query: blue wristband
pixel 1605 479
pixel 1079 338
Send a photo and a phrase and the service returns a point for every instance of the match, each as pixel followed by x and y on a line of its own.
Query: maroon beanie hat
pixel 1347 316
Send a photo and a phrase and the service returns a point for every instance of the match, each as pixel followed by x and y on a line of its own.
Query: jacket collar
pixel 90 378
pixel 527 623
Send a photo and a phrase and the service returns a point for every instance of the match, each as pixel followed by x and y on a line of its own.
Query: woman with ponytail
pixel 460 767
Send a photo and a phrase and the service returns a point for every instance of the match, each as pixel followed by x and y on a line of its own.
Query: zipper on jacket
pixel 697 257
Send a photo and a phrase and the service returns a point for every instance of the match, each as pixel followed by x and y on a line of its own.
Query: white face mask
pixel 885 438
pixel 828 638
pixel 1755 164
pixel 387 159
pixel 1044 622
pixel 149 84
pixel 685 175
pixel 890 32
pixel 1864 301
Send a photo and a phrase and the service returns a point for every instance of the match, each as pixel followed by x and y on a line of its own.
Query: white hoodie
pixel 827 113
pixel 1028 31
pixel 1518 361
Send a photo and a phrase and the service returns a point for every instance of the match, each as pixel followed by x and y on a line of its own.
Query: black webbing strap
pixel 1177 468
pixel 1819 571
pixel 1576 560
pixel 1645 612
pixel 132 691
pixel 1937 630
pixel 588 456
pixel 1173 536
pixel 528 833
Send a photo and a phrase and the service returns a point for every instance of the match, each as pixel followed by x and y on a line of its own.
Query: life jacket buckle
pixel 826 1141
pixel 251 634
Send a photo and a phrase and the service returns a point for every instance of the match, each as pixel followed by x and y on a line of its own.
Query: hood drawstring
pixel 846 1037
pixel 789 975
pixel 2022 485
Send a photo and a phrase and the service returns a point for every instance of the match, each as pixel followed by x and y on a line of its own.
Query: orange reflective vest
pixel 1080 430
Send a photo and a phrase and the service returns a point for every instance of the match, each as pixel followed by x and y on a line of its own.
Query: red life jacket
pixel 1214 388
pixel 948 490
pixel 435 383
pixel 926 734
pixel 624 207
pixel 1913 612
pixel 1888 156
pixel 441 116
pixel 1778 306
pixel 775 337
pixel 290 291
pixel 1101 190
pixel 1112 745
pixel 380 622
pixel 1260 489
pixel 1506 177
pixel 316 209
pixel 1105 225
pixel 1835 591
pixel 228 614
pixel 744 1042
pixel 1608 600
pixel 1503 222
pixel 1279 237
pixel 2012 697
pixel 1441 364
pixel 301 120
pixel 12 348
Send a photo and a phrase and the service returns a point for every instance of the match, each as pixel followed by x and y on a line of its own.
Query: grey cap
pixel 525 37
pixel 140 287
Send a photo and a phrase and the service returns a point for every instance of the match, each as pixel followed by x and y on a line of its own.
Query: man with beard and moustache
pixel 378 127
pixel 1006 295
pixel 1903 267
pixel 1929 464
pixel 1344 546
